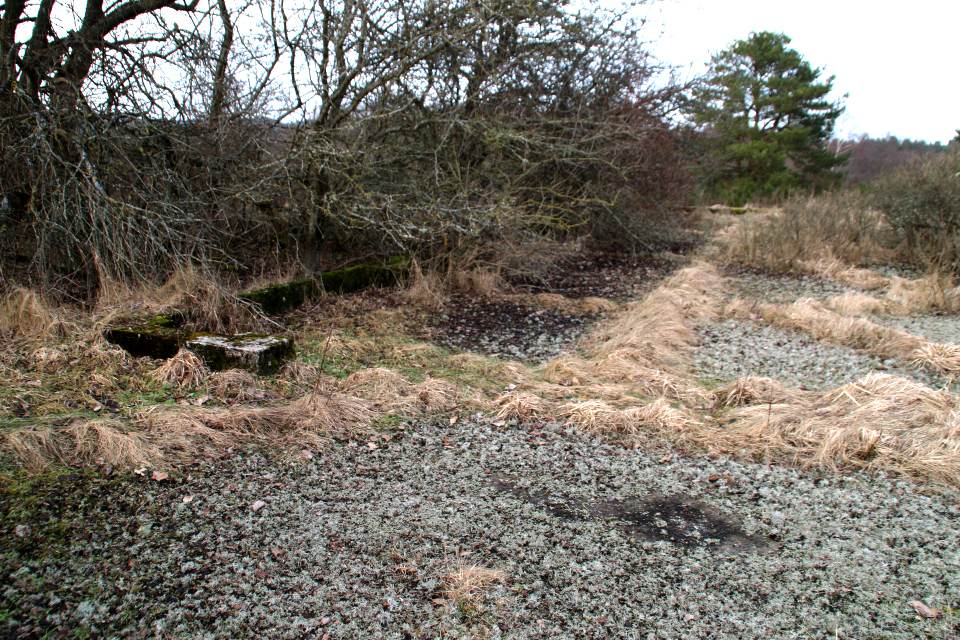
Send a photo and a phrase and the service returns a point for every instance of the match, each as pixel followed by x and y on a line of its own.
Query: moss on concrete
pixel 281 297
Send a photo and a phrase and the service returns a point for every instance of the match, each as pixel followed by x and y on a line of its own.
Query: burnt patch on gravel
pixel 678 519
pixel 507 329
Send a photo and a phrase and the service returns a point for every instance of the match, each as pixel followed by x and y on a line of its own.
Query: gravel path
pixel 355 544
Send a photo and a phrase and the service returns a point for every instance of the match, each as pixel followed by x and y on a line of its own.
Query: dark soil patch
pixel 614 276
pixel 678 519
pixel 506 329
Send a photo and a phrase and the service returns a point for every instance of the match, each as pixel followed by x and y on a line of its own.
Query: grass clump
pixel 878 422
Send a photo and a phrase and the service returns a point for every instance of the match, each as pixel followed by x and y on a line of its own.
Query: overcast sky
pixel 900 62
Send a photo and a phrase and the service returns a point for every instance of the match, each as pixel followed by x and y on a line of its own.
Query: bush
pixel 921 201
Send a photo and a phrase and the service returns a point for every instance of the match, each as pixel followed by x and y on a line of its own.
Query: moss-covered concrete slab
pixel 281 297
pixel 261 354
pixel 146 340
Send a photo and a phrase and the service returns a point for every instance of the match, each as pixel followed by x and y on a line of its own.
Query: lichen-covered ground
pixel 459 523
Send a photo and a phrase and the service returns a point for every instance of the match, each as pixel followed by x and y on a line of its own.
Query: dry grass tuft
pixel 424 290
pixel 116 442
pixel 521 405
pixel 25 313
pixel 656 418
pixel 34 447
pixel 570 305
pixel 933 292
pixel 754 390
pixel 478 280
pixel 233 384
pixel 881 421
pixel 299 372
pixel 942 359
pixel 595 416
pixel 567 371
pixel 859 304
pixel 809 316
pixel 435 394
pixel 468 584
pixel 186 370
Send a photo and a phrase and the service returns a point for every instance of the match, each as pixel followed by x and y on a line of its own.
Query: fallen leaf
pixel 665 459
pixel 499 423
pixel 925 611
pixel 306 453
pixel 575 382
pixel 259 504
pixel 159 476
pixel 439 601
pixel 387 437
pixel 34 383
pixel 372 445
pixel 199 401
pixel 713 478
pixel 689 617
pixel 277 553
pixel 453 419
pixel 22 530
pixel 140 472
pixel 729 480
pixel 187 499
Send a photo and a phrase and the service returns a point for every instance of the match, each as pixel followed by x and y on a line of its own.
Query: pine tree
pixel 765 115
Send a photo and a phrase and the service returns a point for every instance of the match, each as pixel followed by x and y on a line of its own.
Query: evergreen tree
pixel 767 121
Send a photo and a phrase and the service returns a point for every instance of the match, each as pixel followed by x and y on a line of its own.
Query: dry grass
pixel 25 313
pixel 881 421
pixel 809 316
pixel 942 359
pixel 213 305
pixel 933 292
pixel 469 584
pixel 299 372
pixel 521 405
pixel 233 384
pixel 754 390
pixel 657 418
pixel 569 305
pixel 423 289
pixel 185 369
pixel 114 441
pixel 805 230
pixel 859 304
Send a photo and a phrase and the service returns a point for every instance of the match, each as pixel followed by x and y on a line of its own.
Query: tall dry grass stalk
pixel 25 313
pixel 880 422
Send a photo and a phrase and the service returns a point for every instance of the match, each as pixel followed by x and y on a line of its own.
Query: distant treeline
pixel 874 157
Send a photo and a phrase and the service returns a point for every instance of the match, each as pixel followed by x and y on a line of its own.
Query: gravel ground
pixel 355 543
pixel 596 540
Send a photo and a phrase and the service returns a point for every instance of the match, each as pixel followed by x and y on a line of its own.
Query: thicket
pixel 158 134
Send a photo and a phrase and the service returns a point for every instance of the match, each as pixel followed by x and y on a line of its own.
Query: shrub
pixel 921 202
